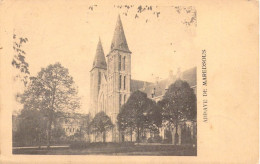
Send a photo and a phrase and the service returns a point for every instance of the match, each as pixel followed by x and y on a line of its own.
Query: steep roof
pixel 99 61
pixel 190 76
pixel 138 84
pixel 119 40
pixel 159 88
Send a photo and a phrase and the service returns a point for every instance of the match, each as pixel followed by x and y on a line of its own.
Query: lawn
pixel 111 149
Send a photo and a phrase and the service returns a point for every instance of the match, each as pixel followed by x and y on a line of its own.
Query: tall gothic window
pixel 124 81
pixel 120 99
pixel 124 63
pixel 99 80
pixel 120 79
pixel 103 107
pixel 119 62
pixel 99 77
pixel 124 98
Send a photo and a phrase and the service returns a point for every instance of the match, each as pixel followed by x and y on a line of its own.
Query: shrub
pixel 85 145
pixel 155 139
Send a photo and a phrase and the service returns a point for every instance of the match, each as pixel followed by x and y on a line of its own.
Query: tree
pixel 179 104
pixel 19 59
pixel 31 128
pixel 139 113
pixel 154 116
pixel 86 125
pixel 101 123
pixel 57 132
pixel 52 90
pixel 125 120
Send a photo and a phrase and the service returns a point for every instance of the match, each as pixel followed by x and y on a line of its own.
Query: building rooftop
pixel 99 61
pixel 119 40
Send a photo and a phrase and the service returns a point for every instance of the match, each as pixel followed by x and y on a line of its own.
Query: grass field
pixel 148 150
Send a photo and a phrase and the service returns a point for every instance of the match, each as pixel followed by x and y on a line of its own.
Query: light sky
pixel 69 35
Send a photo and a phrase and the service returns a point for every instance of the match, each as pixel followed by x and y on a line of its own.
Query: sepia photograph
pixel 128 81
pixel 88 93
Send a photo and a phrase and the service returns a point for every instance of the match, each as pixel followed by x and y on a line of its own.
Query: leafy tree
pixel 179 104
pixel 154 116
pixel 19 59
pixel 31 128
pixel 86 125
pixel 125 120
pixel 52 90
pixel 101 123
pixel 139 113
pixel 57 132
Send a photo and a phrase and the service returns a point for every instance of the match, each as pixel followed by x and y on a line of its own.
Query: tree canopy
pixel 52 90
pixel 178 104
pixel 31 128
pixel 139 113
pixel 101 123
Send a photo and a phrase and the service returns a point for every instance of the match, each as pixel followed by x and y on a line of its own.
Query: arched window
pixel 119 62
pixel 124 63
pixel 124 98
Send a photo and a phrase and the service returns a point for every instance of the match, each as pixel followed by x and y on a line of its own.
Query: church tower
pixel 99 67
pixel 118 74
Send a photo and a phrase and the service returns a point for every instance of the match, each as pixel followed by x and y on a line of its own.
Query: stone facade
pixel 111 83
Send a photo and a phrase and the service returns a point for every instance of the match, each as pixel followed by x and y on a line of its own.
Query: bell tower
pixel 99 67
pixel 118 75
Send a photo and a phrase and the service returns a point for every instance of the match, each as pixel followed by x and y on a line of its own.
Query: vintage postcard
pixel 129 81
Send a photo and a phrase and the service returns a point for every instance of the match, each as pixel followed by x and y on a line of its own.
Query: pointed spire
pixel 100 61
pixel 119 40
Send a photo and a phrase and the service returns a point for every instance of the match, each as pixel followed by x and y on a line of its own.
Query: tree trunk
pixel 39 140
pixel 176 137
pixel 104 137
pixel 49 133
pixel 131 133
pixel 138 134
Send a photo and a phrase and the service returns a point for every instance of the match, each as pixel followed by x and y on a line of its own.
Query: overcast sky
pixel 69 34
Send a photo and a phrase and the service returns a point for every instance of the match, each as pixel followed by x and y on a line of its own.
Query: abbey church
pixel 111 83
